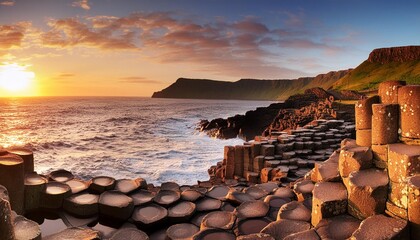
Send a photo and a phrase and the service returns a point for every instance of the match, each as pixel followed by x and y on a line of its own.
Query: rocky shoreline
pixel 313 182
pixel 297 111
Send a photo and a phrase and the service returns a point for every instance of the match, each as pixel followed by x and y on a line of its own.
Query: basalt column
pixel 409 100
pixel 12 177
pixel 363 111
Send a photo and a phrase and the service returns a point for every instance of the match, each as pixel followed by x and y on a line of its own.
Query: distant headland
pixel 382 64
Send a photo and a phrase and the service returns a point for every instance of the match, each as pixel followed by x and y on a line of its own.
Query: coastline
pixel 359 186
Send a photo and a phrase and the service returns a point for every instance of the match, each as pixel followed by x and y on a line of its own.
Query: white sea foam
pixel 119 137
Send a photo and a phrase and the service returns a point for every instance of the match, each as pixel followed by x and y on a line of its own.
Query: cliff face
pixel 245 89
pixel 394 54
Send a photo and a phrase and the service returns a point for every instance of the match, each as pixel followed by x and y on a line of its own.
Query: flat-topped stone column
pixel 409 100
pixel 363 114
pixel 329 199
pixel 381 227
pixel 230 161
pixel 354 159
pixel 367 191
pixel 239 160
pixel 403 161
pixel 34 186
pixel 385 123
pixel 388 91
pixel 414 206
pixel 26 154
pixel 12 176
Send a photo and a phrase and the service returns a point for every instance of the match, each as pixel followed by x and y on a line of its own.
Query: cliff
pixel 397 63
pixel 246 89
pixel 382 64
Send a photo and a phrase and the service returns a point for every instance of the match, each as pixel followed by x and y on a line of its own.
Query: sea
pixel 122 137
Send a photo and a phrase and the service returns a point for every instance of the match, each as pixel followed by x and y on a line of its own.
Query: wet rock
pixel 181 231
pixel 208 204
pixel 181 211
pixel 284 227
pixel 127 185
pixel 54 194
pixel 26 154
pixel 12 177
pixel 26 229
pixel 149 216
pixel 34 185
pixel 115 205
pixel 367 192
pixel 173 186
pixel 101 184
pixel 409 101
pixel 191 195
pixel 385 123
pixel 141 197
pixel 77 185
pixel 338 227
pixel 129 233
pixel 6 222
pixel 167 197
pixel 329 199
pixel 61 175
pixel 403 161
pixel 307 235
pixel 252 209
pixel 74 233
pixel 414 206
pixel 381 227
pixel 82 205
pixel 218 219
pixel 218 192
pixel 354 159
pixel 251 226
pixel 388 91
pixel 294 211
pixel 211 234
pixel 226 206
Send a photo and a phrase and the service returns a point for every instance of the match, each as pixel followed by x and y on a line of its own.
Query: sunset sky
pixel 136 47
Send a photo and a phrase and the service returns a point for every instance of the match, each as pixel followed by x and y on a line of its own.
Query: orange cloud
pixel 81 4
pixel 12 35
pixel 138 80
pixel 7 3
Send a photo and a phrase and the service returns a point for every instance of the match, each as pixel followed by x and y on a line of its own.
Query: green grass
pixel 368 75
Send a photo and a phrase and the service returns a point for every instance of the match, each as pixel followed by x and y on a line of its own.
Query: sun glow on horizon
pixel 16 80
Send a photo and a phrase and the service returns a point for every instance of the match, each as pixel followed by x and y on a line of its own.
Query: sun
pixel 15 78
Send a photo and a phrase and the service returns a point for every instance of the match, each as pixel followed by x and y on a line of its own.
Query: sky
pixel 136 47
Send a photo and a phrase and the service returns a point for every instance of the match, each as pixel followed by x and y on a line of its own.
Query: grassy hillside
pixel 368 75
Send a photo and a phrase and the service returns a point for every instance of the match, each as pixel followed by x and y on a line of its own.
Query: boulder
pixel 354 159
pixel 367 192
pixel 6 223
pixel 26 229
pixel 329 199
